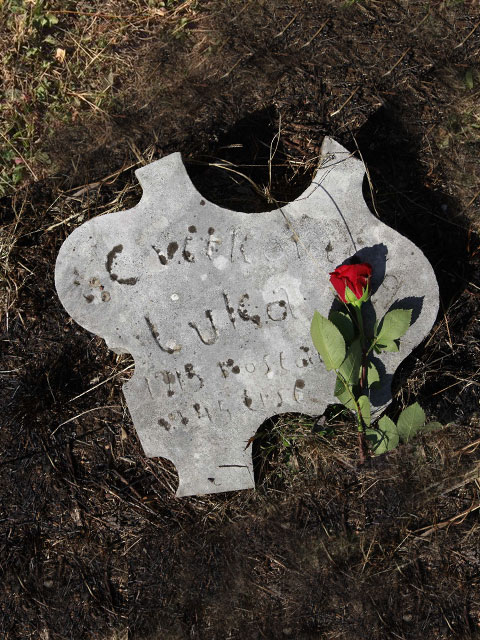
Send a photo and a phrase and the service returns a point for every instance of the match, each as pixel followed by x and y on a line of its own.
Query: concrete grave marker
pixel 215 307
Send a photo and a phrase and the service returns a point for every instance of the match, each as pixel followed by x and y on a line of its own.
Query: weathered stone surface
pixel 215 307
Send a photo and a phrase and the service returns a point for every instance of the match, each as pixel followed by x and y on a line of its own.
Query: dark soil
pixel 93 542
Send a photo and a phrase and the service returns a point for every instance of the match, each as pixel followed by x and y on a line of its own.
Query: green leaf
pixel 344 324
pixel 51 19
pixel 386 345
pixel 431 426
pixel 469 79
pixel 410 421
pixel 373 377
pixel 384 438
pixel 17 174
pixel 328 341
pixel 350 368
pixel 344 395
pixel 388 427
pixel 364 405
pixel 394 325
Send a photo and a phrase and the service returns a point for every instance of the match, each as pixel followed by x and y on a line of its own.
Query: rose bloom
pixel 354 276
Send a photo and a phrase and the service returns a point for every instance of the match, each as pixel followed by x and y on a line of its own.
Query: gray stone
pixel 215 307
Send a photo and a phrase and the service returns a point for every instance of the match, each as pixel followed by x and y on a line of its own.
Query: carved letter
pixel 170 347
pixel 206 340
pixel 191 373
pixel 187 255
pixel 243 313
pixel 298 395
pixel 242 247
pixel 229 308
pixel 276 310
pixel 109 265
pixel 288 300
pixel 206 412
pixel 220 406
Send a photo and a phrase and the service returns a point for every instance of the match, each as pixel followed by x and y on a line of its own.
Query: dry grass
pixel 61 64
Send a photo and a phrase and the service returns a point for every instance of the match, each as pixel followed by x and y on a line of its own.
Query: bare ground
pixel 93 542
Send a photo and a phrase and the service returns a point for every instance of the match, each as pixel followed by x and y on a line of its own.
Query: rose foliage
pixel 350 349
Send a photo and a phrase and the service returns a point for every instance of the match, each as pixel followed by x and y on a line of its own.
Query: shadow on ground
pixel 94 540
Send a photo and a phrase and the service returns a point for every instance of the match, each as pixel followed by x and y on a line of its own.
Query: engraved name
pixel 208 330
pixel 233 245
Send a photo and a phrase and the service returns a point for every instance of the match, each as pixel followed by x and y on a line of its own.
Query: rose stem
pixel 362 445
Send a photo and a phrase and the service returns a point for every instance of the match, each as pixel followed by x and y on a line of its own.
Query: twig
pixel 472 445
pixel 468 36
pixel 441 489
pixel 276 140
pixel 450 343
pixel 468 381
pixel 334 113
pixel 397 63
pixel 280 33
pixel 82 97
pixel 314 35
pixel 421 22
pixel 458 519
pixel 367 172
pixel 472 200
pixel 112 406
pixel 239 61
pixel 101 383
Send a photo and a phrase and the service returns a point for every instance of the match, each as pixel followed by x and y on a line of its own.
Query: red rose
pixel 354 276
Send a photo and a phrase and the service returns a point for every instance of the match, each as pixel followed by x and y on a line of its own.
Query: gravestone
pixel 215 307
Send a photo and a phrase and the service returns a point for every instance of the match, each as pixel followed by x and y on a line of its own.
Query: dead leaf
pixel 60 55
